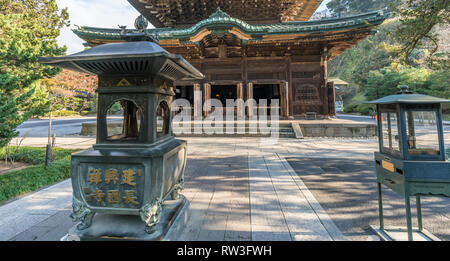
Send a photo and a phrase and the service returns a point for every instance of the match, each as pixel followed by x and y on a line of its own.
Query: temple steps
pixel 283 131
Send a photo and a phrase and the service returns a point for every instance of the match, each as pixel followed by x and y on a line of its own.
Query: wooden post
pixel 198 101
pixel 288 83
pixel 324 72
pixel 282 99
pixel 331 99
pixel 286 99
pixel 48 151
pixel 240 91
pixel 249 97
pixel 240 96
pixel 206 97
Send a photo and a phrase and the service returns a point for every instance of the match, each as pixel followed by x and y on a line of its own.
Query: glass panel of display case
pixel 422 133
pixel 390 133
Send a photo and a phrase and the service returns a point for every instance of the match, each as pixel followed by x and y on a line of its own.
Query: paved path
pixel 37 215
pixel 239 188
pixel 282 207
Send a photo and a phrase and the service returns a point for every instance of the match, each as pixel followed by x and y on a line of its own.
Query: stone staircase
pixel 284 131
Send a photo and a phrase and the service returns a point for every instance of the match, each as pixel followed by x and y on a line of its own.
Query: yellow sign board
pixel 387 165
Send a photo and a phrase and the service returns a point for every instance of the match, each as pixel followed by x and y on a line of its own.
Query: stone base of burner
pixel 104 227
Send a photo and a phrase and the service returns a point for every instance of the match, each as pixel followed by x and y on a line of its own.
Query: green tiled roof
pixel 222 21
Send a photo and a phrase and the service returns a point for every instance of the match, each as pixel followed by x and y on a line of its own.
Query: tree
pixel 353 7
pixel 28 30
pixel 75 81
pixel 339 7
pixel 421 22
pixel 70 90
pixel 374 53
pixel 420 80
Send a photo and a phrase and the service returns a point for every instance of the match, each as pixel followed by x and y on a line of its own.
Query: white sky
pixel 99 13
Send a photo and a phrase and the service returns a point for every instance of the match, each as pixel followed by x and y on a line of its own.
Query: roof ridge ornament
pixel 123 28
pixel 404 89
pixel 141 23
pixel 220 14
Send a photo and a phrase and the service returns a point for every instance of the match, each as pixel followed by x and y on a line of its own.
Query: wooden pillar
pixel 282 99
pixel 289 98
pixel 198 101
pixel 206 97
pixel 250 96
pixel 331 99
pixel 240 90
pixel 240 96
pixel 286 99
pixel 324 89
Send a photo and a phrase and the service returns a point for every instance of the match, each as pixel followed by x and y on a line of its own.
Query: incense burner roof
pixel 127 58
pixel 407 97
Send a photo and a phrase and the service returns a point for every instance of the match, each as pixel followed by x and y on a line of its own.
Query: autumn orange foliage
pixel 68 82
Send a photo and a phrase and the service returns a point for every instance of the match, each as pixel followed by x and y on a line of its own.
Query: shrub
pixel 63 113
pixel 15 183
pixel 33 155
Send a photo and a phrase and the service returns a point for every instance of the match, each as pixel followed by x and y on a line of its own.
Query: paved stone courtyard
pixel 248 189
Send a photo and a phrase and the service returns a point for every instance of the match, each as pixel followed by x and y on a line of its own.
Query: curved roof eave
pixel 222 21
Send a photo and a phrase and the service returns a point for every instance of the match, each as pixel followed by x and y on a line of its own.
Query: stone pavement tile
pixel 15 209
pixel 62 218
pixel 238 223
pixel 20 224
pixel 266 214
pixel 219 204
pixel 213 228
pixel 214 224
pixel 270 233
pixel 51 229
pixel 266 211
pixel 198 211
pixel 326 221
pixel 26 212
pixel 32 234
pixel 301 219
pixel 238 227
pixel 61 189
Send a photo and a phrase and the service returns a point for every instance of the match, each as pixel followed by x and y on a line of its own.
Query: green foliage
pixel 30 179
pixel 374 53
pixel 116 108
pixel 63 113
pixel 13 184
pixel 352 7
pixel 356 104
pixel 419 30
pixel 70 91
pixel 376 67
pixel 384 82
pixel 28 30
pixel 34 155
